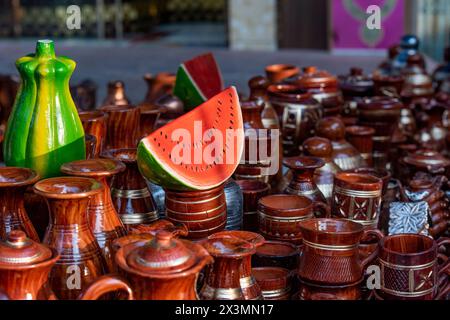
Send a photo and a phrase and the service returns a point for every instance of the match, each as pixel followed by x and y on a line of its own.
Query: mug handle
pixel 379 235
pixel 443 284
pixel 106 284
pixel 323 208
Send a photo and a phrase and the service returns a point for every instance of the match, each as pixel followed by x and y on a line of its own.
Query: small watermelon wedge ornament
pixel 198 80
pixel 199 150
pixel 44 129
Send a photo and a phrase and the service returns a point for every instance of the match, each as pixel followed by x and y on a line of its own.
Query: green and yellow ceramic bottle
pixel 44 129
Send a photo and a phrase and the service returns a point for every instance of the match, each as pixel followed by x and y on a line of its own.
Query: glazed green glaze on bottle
pixel 44 130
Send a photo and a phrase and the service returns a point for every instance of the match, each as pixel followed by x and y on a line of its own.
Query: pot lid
pixel 162 255
pixel 311 77
pixel 427 158
pixel 229 247
pixel 19 250
pixel 356 81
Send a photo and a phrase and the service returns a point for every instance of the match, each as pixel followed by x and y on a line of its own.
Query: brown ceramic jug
pixel 249 286
pixel 116 94
pixel 103 218
pixel 164 268
pixel 158 85
pixel 323 176
pixel 222 280
pixel 25 266
pixel 129 191
pixel 345 155
pixel 81 260
pixel 13 216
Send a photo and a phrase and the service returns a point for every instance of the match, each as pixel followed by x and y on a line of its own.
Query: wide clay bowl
pixel 16 177
pixel 67 187
pixel 303 163
pixel 126 155
pixel 331 231
pixel 93 167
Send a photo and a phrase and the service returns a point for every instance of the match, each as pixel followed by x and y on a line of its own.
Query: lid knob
pixel 164 238
pixel 17 237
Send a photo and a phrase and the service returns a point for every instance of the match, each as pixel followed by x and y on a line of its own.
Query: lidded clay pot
pixel 345 155
pixel 164 268
pixel 429 161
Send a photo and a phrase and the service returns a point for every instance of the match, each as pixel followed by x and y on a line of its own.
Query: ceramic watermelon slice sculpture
pixel 199 150
pixel 198 80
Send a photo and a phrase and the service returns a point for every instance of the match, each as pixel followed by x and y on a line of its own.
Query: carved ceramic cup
pixel 410 268
pixel 330 254
pixel 252 191
pixel 279 216
pixel 357 197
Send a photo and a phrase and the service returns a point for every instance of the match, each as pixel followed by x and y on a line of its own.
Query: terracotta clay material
pixel 384 175
pixel 116 94
pixel 278 72
pixel 410 268
pixel 91 145
pixel 94 123
pixel 122 126
pixel 275 283
pixel 158 85
pixel 252 191
pixel 13 216
pixel 362 139
pixel 103 218
pixel 277 254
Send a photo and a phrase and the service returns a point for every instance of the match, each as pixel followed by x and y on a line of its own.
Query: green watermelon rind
pixel 187 90
pixel 154 171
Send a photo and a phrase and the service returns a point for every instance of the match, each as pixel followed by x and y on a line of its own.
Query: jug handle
pixel 323 208
pixel 379 235
pixel 105 284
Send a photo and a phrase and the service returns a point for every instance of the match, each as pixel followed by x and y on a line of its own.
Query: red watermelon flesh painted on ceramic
pixel 199 150
pixel 198 80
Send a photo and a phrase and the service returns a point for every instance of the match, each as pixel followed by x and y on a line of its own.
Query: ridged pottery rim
pixel 358 181
pixel 68 187
pixel 93 167
pixel 126 155
pixel 407 258
pixel 9 177
pixel 92 115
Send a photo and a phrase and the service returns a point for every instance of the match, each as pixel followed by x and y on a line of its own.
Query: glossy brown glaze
pixel 163 268
pixel 384 175
pixel 345 155
pixel 410 268
pixel 130 194
pixel 149 117
pixel 252 191
pixel 323 176
pixel 387 85
pixel 357 197
pixel 275 283
pixel 355 86
pixel 222 280
pixel 277 254
pixel 312 291
pixel 68 232
pixel 428 161
pixel 91 145
pixel 278 72
pixel 158 85
pixel 279 216
pixel 13 216
pixel 382 114
pixel 94 123
pixel 122 126
pixel 303 183
pixel 258 91
pixel 362 139
pixel 84 95
pixel 103 218
pixel 116 94
pixel 298 113
pixel 330 254
pixel 203 212
pixel 249 286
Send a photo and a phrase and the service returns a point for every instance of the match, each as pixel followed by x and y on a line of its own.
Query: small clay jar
pixel 249 286
pixel 116 94
pixel 258 91
pixel 279 216
pixel 95 123
pixel 222 279
pixel 355 86
pixel 158 85
pixel 362 139
pixel 13 216
pixel 279 72
pixel 298 113
pixel 302 182
pixel 324 88
pixel 129 191
pixel 345 155
pixel 275 282
pixel 428 161
pixel 252 191
pixel 323 176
